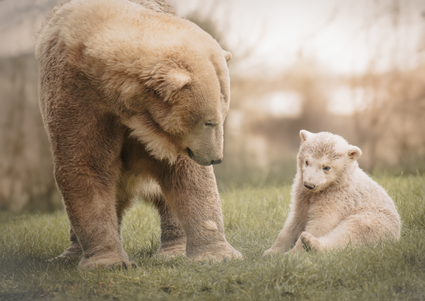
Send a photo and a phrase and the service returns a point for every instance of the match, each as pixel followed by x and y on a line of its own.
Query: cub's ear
pixel 227 55
pixel 167 79
pixel 354 152
pixel 304 135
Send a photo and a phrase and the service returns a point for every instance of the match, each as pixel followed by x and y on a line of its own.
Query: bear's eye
pixel 306 162
pixel 326 168
pixel 209 124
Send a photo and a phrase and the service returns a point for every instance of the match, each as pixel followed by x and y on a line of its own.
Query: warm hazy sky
pixel 345 35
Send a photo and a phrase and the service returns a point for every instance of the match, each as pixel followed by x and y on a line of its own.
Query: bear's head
pixel 323 158
pixel 184 111
pixel 168 79
pixel 193 104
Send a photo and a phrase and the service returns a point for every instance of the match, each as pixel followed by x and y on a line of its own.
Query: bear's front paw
pixel 218 252
pixel 112 262
pixel 310 242
pixel 171 249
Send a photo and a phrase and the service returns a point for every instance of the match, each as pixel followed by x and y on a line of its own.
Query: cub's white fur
pixel 334 203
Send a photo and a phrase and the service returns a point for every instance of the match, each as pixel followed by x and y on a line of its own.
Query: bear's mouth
pixel 190 153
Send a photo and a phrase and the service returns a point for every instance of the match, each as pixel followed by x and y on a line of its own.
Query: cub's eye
pixel 306 162
pixel 326 168
pixel 209 124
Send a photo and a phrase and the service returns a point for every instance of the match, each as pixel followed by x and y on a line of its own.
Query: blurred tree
pixel 26 169
pixel 390 126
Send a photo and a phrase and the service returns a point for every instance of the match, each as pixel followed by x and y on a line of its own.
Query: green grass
pixel 253 217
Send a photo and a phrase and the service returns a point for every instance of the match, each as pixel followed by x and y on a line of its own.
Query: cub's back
pixel 373 195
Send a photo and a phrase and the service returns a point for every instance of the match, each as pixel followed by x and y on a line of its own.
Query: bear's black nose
pixel 216 161
pixel 309 186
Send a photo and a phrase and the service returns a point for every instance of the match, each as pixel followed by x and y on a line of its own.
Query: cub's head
pixel 322 159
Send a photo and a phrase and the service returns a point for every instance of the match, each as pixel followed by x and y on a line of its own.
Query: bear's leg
pixel 86 171
pixel 94 221
pixel 74 251
pixel 123 203
pixel 173 238
pixel 191 192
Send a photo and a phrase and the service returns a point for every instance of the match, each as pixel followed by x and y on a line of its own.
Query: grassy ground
pixel 253 218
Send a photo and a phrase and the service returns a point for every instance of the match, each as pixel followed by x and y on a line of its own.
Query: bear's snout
pixel 202 160
pixel 309 185
pixel 213 162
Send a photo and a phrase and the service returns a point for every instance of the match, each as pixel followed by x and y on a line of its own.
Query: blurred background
pixel 354 68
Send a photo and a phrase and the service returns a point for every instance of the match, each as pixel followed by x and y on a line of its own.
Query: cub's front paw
pixel 310 242
pixel 298 248
pixel 272 252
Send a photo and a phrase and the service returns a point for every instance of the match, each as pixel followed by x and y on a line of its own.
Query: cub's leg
pixel 355 229
pixel 173 238
pixel 309 242
pixel 191 192
pixel 294 225
pixel 319 224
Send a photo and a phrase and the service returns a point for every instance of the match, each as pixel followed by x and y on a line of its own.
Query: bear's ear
pixel 167 79
pixel 354 152
pixel 227 55
pixel 304 135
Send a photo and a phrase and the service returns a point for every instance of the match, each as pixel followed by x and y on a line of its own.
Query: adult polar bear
pixel 129 93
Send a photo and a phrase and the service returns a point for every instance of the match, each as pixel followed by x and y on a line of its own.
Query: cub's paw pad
pixel 310 242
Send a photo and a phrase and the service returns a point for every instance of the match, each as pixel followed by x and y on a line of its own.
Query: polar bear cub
pixel 334 203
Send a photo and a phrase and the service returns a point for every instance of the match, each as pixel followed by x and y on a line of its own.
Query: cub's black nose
pixel 216 161
pixel 309 186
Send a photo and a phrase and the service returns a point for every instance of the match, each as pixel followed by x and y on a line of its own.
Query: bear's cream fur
pixel 334 203
pixel 134 99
